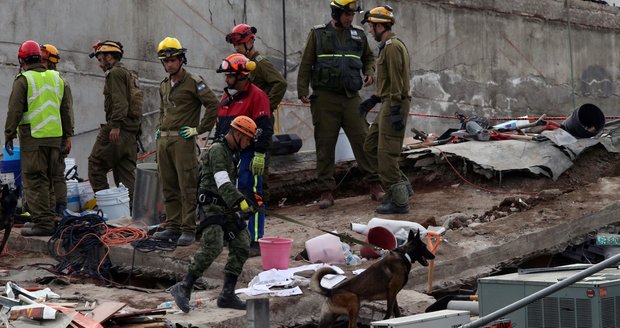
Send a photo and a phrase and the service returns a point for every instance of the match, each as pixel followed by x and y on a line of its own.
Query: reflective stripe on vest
pixel 45 92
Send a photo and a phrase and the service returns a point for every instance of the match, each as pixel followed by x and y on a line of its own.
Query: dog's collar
pixel 408 257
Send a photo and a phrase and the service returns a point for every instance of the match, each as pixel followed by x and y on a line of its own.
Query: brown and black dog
pixel 381 281
pixel 8 203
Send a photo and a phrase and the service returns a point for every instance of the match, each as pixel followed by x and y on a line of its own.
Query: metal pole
pixel 284 34
pixel 258 312
pixel 542 293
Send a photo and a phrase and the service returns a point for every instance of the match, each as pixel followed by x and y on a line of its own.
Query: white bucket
pixel 87 196
pixel 113 202
pixel 73 196
pixel 70 164
pixel 343 148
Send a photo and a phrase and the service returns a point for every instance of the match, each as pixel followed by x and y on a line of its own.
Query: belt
pixel 170 133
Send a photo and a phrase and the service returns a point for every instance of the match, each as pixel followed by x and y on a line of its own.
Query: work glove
pixel 186 132
pixel 368 104
pixel 157 134
pixel 258 164
pixel 396 119
pixel 8 146
pixel 246 207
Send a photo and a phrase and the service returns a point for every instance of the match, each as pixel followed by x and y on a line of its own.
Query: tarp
pixel 492 158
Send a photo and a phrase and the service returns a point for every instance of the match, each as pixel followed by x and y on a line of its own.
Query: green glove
pixel 186 132
pixel 157 134
pixel 258 164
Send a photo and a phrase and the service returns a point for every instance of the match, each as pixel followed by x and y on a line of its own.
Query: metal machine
pixel 443 319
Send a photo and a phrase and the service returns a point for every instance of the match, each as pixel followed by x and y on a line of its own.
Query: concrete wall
pixel 493 58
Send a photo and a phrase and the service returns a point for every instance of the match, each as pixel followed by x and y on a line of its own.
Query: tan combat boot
pixel 376 191
pixel 327 200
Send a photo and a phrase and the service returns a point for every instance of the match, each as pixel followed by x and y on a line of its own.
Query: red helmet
pixel 241 33
pixel 29 49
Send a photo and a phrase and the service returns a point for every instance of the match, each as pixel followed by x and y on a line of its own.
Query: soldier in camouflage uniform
pixel 38 105
pixel 385 137
pixel 219 199
pixel 116 147
pixel 182 96
pixel 267 78
pixel 335 54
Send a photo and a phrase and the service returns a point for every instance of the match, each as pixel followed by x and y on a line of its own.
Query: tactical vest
pixel 337 66
pixel 45 92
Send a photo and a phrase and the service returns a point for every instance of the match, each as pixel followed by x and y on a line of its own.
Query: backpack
pixel 136 96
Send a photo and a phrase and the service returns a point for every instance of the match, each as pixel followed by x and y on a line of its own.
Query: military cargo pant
pixel 212 245
pixel 120 158
pixel 178 173
pixel 37 169
pixel 252 185
pixel 383 146
pixel 330 112
pixel 60 183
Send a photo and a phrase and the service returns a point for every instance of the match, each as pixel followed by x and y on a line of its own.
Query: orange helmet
pixel 379 15
pixel 107 46
pixel 29 49
pixel 236 64
pixel 244 125
pixel 241 33
pixel 50 52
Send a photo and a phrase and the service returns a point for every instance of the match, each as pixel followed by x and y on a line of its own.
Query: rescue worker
pixel 267 78
pixel 49 58
pixel 218 177
pixel 385 137
pixel 242 97
pixel 116 147
pixel 182 95
pixel 335 54
pixel 40 107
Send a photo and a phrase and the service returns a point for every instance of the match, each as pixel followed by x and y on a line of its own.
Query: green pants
pixel 38 168
pixel 60 183
pixel 178 173
pixel 385 143
pixel 330 112
pixel 120 158
pixel 211 247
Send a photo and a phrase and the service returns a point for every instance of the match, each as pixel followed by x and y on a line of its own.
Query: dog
pixel 8 204
pixel 381 281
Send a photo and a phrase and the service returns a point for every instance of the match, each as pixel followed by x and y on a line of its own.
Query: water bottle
pixel 353 259
pixel 166 305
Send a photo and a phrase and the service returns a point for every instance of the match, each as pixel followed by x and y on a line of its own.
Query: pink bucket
pixel 275 252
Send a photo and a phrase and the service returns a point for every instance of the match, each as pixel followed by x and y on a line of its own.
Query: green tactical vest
pixel 337 66
pixel 45 92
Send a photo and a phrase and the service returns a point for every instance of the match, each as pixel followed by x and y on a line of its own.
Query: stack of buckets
pixel 80 195
pixel 10 168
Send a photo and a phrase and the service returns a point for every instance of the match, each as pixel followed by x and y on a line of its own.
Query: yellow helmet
pixel 345 5
pixel 383 15
pixel 50 52
pixel 107 46
pixel 170 47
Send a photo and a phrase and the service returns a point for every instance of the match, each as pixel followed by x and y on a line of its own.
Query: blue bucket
pixel 14 157
pixel 12 167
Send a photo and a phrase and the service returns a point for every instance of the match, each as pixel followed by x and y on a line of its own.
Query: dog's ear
pixel 412 236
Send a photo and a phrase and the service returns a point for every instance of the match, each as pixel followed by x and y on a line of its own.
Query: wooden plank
pixel 104 311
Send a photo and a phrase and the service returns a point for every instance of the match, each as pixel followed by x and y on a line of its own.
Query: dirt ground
pixel 476 206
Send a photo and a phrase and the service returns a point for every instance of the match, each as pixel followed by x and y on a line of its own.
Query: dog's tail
pixel 315 283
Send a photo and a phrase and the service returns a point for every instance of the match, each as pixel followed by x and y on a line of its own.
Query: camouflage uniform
pixel 121 157
pixel 178 166
pixel 39 156
pixel 335 100
pixel 220 158
pixel 383 140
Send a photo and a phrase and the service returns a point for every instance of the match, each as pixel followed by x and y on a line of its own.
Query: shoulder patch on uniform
pixel 388 42
pixel 259 58
pixel 201 86
pixel 319 26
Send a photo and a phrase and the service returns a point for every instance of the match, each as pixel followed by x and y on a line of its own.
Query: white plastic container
pixel 70 163
pixel 343 151
pixel 87 195
pixel 114 202
pixel 73 196
pixel 325 248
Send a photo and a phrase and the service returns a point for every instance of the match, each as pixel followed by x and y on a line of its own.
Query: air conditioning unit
pixel 593 302
pixel 443 319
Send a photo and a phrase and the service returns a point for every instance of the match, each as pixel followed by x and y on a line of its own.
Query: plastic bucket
pixel 12 170
pixel 73 196
pixel 325 248
pixel 70 168
pixel 585 122
pixel 343 150
pixel 148 201
pixel 87 195
pixel 381 237
pixel 15 157
pixel 113 202
pixel 275 252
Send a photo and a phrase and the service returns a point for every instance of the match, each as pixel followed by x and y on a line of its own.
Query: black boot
pixel 227 298
pixel 60 209
pixel 181 291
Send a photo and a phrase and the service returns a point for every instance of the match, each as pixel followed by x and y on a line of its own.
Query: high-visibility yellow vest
pixel 45 92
